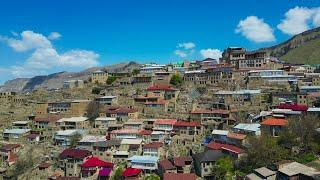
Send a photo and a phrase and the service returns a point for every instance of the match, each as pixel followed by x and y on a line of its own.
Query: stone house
pixel 71 159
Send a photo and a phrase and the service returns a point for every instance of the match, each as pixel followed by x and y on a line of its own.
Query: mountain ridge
pixel 56 80
pixel 303 48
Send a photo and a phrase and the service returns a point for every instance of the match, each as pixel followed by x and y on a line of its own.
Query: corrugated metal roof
pixel 16 131
pixel 248 127
pixel 144 159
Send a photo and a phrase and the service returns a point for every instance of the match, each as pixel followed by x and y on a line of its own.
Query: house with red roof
pixel 94 165
pixel 166 92
pixel 70 160
pixel 120 112
pixel 236 138
pixel 293 107
pixel 131 173
pixel 231 150
pixel 179 176
pixel 145 135
pixel 183 164
pixel 187 128
pixel 165 125
pixel 8 153
pixel 187 131
pixel 166 166
pixel 273 126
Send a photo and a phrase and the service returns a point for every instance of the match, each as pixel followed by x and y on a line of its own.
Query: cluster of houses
pixel 269 91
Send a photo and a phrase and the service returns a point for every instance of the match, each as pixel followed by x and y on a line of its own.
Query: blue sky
pixel 91 33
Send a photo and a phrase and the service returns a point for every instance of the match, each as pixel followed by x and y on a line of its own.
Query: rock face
pixel 56 80
pixel 303 48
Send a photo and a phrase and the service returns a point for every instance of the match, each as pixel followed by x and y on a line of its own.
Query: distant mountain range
pixel 303 48
pixel 56 80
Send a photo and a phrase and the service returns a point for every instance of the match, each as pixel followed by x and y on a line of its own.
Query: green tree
pixel 176 79
pixel 135 72
pixel 138 91
pixel 118 173
pixel 301 139
pixel 96 90
pixel 111 79
pixel 304 128
pixel 263 151
pixel 151 177
pixel 24 163
pixel 223 168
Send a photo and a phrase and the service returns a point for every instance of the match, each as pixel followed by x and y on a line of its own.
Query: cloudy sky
pixel 38 38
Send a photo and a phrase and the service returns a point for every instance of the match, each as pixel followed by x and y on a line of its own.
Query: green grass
pixel 308 53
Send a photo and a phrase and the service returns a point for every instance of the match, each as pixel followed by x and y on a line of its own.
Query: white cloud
pixel 29 41
pixel 186 45
pixel 45 57
pixel 54 36
pixel 296 21
pixel 180 53
pixel 211 53
pixel 255 29
pixel 185 49
pixel 299 19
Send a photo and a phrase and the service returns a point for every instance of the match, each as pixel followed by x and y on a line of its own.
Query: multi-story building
pixel 147 163
pixel 240 97
pixel 108 100
pixel 162 78
pixel 271 76
pixel 106 149
pixel 15 134
pixel 217 74
pixel 73 123
pixel 65 109
pixel 163 91
pixel 121 113
pixel 99 77
pixel 165 125
pixel 242 59
pixel 204 162
pixel 153 149
pixel 71 159
pixel 210 117
pixel 151 68
pixel 104 122
pixel 64 137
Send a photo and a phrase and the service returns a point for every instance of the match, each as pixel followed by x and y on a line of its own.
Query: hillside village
pixel 246 115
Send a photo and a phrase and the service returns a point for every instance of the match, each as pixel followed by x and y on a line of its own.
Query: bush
pixel 305 158
pixel 111 79
pixel 176 79
pixel 96 90
pixel 135 72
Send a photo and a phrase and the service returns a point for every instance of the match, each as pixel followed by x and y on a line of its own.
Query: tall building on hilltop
pixel 245 60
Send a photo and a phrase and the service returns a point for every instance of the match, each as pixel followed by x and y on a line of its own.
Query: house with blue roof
pixel 11 134
pixel 249 129
pixel 146 163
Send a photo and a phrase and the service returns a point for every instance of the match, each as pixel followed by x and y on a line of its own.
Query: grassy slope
pixel 308 53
